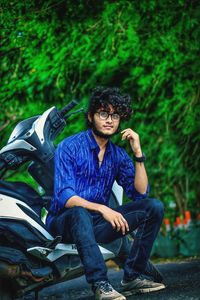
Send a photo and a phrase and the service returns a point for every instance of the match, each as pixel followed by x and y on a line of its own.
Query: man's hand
pixel 140 180
pixel 133 137
pixel 116 219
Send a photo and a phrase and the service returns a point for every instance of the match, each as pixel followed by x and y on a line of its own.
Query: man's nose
pixel 109 119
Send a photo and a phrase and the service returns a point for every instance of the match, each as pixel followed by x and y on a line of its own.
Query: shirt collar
pixel 92 142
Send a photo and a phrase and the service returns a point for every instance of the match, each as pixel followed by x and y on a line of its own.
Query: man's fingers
pixel 118 225
pixel 125 130
pixel 125 135
pixel 113 224
pixel 129 132
pixel 125 224
pixel 127 227
pixel 122 225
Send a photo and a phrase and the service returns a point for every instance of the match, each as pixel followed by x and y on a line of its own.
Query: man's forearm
pixel 141 180
pixel 78 201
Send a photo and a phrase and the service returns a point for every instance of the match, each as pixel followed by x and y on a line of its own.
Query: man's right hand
pixel 116 219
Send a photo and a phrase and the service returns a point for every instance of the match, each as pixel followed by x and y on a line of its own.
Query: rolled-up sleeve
pixel 126 177
pixel 64 180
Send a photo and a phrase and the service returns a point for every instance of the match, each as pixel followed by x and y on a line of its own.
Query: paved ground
pixel 182 280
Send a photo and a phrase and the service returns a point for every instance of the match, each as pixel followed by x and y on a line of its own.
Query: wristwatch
pixel 140 159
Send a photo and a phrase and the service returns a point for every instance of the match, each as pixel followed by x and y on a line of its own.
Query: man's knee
pixel 156 207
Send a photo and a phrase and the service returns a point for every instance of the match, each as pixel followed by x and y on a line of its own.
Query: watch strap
pixel 140 159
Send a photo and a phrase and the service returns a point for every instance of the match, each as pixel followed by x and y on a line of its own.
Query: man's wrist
pixel 140 158
pixel 138 153
pixel 99 208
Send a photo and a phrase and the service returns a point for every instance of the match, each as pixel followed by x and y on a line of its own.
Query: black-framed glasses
pixel 104 115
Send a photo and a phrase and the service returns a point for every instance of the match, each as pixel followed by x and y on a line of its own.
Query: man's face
pixel 105 123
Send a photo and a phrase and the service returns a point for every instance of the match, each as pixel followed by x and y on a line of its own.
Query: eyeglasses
pixel 104 115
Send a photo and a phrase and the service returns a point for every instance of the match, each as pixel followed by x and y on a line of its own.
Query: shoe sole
pixel 142 291
pixel 106 297
pixel 118 298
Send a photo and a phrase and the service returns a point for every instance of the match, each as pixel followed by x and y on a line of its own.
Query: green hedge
pixel 53 51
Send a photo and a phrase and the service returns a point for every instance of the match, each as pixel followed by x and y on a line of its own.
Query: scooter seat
pixel 17 189
pixel 22 191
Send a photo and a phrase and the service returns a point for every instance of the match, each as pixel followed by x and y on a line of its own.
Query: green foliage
pixel 53 51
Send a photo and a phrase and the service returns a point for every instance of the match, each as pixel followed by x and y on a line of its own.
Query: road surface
pixel 182 280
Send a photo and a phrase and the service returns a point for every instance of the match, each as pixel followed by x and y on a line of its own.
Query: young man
pixel 86 166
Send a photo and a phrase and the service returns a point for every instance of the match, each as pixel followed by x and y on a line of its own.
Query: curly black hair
pixel 105 96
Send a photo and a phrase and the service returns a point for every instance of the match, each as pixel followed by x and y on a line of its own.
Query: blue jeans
pixel 86 229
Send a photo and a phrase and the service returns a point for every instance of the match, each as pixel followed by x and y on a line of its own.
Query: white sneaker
pixel 103 290
pixel 140 285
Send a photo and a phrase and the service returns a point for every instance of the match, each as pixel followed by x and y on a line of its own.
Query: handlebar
pixel 68 107
pixel 73 113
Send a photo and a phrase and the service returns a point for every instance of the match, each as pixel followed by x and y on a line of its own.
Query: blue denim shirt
pixel 77 172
